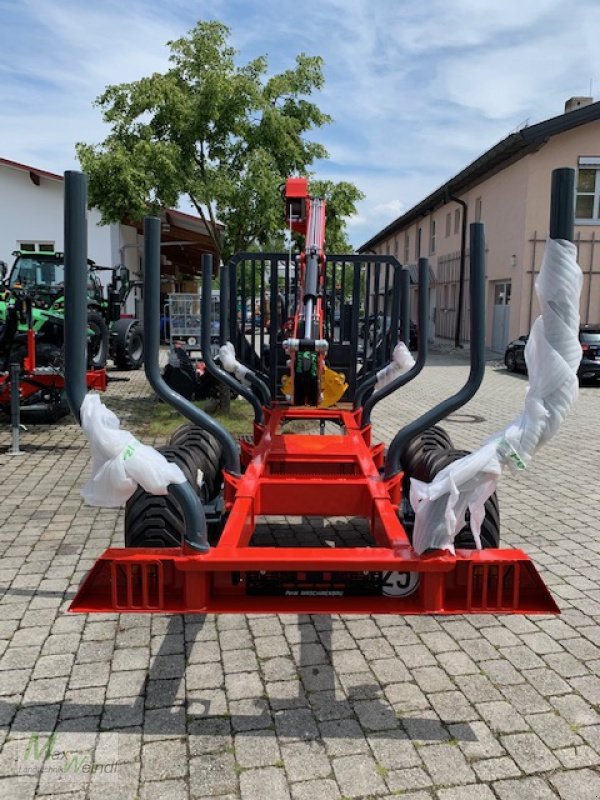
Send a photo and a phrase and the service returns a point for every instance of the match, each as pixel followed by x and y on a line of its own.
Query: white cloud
pixel 417 90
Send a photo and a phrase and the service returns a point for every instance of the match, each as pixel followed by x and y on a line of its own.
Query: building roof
pixel 514 147
pixel 185 236
pixel 190 221
pixel 33 171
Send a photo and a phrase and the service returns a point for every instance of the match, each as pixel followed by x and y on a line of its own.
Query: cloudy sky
pixel 417 89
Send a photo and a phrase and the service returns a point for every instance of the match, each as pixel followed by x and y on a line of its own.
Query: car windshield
pixel 38 272
pixel 589 337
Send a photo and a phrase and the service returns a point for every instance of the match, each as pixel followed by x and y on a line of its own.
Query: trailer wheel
pixel 129 344
pixel 157 520
pixel 206 451
pixel 490 527
pixel 413 457
pixel 98 345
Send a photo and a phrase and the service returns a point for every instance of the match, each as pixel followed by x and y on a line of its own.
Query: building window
pixel 406 247
pixel 432 237
pixel 418 243
pixel 448 224
pixel 36 247
pixel 457 220
pixel 478 209
pixel 587 198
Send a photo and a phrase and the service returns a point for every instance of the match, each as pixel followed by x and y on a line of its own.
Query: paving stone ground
pixel 302 707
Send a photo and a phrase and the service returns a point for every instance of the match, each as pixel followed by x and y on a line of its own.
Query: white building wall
pixel 35 213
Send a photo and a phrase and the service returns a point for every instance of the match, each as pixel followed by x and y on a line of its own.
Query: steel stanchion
pixel 15 413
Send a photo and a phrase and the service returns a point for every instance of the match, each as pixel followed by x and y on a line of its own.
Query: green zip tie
pixel 506 449
pixel 130 449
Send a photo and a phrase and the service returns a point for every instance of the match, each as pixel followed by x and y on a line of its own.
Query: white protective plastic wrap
pixel 232 365
pixel 552 354
pixel 119 461
pixel 401 362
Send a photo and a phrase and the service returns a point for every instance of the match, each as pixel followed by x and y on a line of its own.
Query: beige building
pixel 508 188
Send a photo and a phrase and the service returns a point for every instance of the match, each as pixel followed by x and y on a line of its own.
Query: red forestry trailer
pixel 327 324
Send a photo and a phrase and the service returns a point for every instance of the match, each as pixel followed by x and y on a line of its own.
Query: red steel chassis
pixel 311 475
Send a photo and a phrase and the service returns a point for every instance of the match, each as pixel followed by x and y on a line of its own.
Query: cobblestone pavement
pixel 309 708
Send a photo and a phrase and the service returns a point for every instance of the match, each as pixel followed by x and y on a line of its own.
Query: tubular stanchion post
pixel 76 334
pixel 75 289
pixel 195 535
pixel 395 310
pixel 400 296
pixel 223 304
pixel 213 369
pixel 195 415
pixel 15 411
pixel 224 328
pixel 477 350
pixel 562 210
pixel 405 306
pixel 412 373
pixel 232 286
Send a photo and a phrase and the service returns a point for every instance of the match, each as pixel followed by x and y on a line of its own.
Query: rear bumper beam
pixel 172 581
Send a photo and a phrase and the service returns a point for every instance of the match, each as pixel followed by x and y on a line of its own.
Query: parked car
pixel 589 368
pixel 514 356
pixel 589 336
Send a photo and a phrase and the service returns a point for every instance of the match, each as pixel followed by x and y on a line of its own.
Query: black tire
pixel 184 456
pixel 413 457
pixel 510 361
pixel 157 520
pixel 206 451
pixel 490 528
pixel 129 345
pixel 42 411
pixel 98 344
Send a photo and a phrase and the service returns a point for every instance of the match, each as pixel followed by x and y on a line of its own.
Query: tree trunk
pixel 224 398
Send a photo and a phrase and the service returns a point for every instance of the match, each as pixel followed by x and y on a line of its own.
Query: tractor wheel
pixel 490 527
pixel 98 345
pixel 129 345
pixel 433 440
pixel 157 520
pixel 206 451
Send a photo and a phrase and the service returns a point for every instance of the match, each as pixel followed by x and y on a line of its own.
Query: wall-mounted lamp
pixel 513 261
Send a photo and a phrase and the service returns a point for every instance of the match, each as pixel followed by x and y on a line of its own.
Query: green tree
pixel 340 199
pixel 225 136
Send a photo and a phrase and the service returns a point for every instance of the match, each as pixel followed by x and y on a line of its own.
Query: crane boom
pixel 307 347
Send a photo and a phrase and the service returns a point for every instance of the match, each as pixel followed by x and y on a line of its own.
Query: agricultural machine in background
pixel 32 338
pixel 196 548
pixel 41 276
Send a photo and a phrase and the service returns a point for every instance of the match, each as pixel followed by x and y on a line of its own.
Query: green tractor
pixel 41 275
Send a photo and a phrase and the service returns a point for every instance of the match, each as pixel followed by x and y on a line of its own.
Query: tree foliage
pixel 224 135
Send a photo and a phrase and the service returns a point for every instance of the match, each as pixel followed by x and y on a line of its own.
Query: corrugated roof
pixel 511 149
